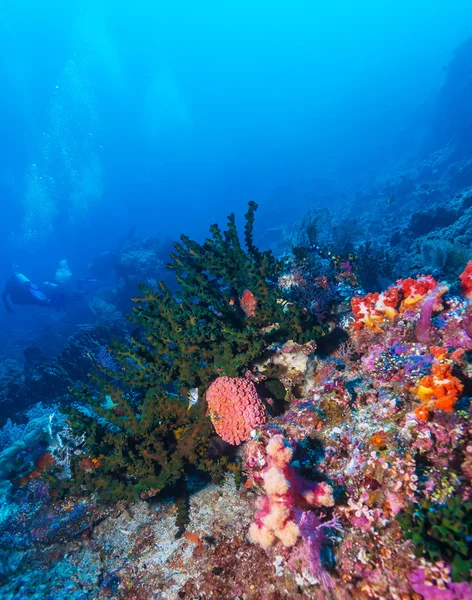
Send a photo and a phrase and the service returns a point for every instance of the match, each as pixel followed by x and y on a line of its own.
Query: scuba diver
pixel 20 290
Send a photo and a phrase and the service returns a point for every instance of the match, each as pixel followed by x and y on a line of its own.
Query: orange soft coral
pixel 422 413
pixel 466 281
pixel 440 390
pixel 235 408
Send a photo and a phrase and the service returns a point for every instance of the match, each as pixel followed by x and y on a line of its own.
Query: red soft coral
pixel 466 281
pixel 373 309
pixel 365 313
pixel 414 290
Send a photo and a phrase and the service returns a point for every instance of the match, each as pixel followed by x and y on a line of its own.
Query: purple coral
pixel 105 359
pixel 423 327
pixel 454 591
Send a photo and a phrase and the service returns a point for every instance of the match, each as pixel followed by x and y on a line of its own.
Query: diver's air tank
pixel 20 279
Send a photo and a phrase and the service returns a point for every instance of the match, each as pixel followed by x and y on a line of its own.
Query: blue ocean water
pixel 167 118
pixel 125 124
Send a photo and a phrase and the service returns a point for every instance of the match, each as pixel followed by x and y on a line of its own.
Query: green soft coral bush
pixel 140 448
pixel 202 331
pixel 144 438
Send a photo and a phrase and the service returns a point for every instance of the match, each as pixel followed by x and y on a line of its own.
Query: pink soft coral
pixel 235 408
pixel 276 518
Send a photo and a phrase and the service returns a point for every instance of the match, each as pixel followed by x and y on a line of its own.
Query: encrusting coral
pixel 235 408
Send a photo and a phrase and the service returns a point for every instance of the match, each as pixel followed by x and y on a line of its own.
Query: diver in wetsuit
pixel 60 297
pixel 20 290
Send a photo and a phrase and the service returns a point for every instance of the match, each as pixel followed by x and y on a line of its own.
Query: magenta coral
pixel 235 408
pixel 278 515
pixel 453 591
pixel 423 327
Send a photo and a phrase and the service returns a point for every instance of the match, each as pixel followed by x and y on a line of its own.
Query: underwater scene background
pixel 236 319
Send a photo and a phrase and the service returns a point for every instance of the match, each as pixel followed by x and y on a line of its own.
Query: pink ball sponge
pixel 235 408
pixel 288 497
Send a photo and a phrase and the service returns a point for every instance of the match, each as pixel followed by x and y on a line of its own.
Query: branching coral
pixel 153 443
pixel 227 311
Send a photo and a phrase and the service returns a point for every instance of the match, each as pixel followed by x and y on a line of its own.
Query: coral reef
pixel 352 491
pixel 387 459
pixel 356 448
pixel 333 382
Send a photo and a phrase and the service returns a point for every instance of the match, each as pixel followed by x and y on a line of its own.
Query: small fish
pixel 215 312
pixel 285 304
pixel 193 537
pixel 192 397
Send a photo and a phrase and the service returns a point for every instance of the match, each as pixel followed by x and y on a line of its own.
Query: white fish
pixel 192 397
